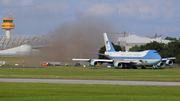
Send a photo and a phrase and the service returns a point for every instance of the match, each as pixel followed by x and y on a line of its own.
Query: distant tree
pixel 137 48
pixel 173 48
pixel 103 49
pixel 177 60
pixel 134 49
pixel 170 38
pixel 142 48
pixel 116 47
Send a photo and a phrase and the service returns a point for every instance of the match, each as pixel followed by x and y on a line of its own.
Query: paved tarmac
pixel 105 82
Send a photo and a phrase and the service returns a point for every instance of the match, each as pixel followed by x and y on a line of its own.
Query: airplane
pixel 130 59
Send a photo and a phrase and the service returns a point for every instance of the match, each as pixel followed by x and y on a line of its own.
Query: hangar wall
pixel 130 41
pixel 22 50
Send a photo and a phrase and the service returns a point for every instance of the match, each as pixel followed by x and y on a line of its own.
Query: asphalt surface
pixel 105 82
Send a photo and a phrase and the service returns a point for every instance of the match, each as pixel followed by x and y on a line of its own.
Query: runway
pixel 104 82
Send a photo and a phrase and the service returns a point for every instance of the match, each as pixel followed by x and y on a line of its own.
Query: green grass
pixel 62 72
pixel 81 92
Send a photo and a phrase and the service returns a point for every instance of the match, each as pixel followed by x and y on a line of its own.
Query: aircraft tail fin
pixel 108 44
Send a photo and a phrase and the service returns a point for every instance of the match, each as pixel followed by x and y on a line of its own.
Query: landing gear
pixel 128 67
pixel 154 67
pixel 134 67
pixel 125 66
pixel 143 67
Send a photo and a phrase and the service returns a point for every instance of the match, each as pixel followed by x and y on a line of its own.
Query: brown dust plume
pixel 75 39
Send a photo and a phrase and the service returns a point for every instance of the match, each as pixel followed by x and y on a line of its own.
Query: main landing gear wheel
pixel 128 67
pixel 134 67
pixel 143 67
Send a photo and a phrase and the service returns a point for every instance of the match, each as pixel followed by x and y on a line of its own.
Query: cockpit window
pixel 155 52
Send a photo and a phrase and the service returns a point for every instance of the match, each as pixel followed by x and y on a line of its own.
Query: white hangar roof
pixel 138 40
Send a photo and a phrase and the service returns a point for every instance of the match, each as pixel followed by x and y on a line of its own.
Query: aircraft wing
pixel 171 58
pixel 105 60
pixel 99 60
pixel 74 59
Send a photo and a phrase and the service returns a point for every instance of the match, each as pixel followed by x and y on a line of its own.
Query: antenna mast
pixel 11 14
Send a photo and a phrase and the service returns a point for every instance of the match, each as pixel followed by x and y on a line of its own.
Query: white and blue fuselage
pixel 148 57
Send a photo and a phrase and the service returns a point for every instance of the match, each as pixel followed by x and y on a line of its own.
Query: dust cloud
pixel 75 39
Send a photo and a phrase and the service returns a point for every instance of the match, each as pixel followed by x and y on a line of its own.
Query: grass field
pixel 82 92
pixel 103 73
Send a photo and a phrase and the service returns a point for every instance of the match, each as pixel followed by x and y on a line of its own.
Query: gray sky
pixel 39 17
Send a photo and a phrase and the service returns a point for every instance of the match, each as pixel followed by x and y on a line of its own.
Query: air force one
pixel 129 59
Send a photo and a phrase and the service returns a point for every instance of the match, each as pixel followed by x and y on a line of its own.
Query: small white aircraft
pixel 129 59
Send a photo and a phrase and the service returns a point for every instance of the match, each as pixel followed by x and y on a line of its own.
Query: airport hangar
pixel 127 41
pixel 18 46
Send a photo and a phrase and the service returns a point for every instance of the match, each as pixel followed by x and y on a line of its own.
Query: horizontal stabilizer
pixel 97 53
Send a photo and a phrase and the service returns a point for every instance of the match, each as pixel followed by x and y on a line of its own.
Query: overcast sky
pixel 38 17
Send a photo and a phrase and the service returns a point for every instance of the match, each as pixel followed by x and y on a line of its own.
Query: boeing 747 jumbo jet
pixel 129 59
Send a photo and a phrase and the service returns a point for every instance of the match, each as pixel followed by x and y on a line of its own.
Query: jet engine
pixel 93 63
pixel 161 64
pixel 169 62
pixel 118 64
